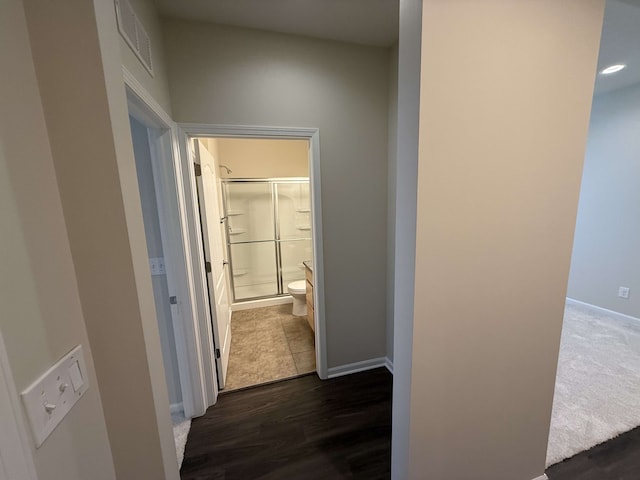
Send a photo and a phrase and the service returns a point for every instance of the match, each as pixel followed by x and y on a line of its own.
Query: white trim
pixel 194 358
pixel 357 367
pixel 603 311
pixel 162 119
pixel 541 477
pixel 176 408
pixel 16 460
pixel 313 136
pixel 194 255
pixel 389 364
pixel 263 302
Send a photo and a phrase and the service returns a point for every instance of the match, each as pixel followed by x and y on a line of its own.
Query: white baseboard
pixel 176 408
pixel 263 302
pixel 542 477
pixel 350 368
pixel 389 364
pixel 603 311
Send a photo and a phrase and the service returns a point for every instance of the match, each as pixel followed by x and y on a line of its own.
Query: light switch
pixel 157 266
pixel 49 399
pixel 76 376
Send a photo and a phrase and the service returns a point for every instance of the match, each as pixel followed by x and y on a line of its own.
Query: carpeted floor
pixel 181 427
pixel 597 393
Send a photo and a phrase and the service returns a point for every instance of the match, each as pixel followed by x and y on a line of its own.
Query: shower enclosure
pixel 268 224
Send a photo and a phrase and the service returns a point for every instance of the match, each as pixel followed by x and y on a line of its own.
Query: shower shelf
pixel 303 210
pixel 303 227
pixel 234 213
pixel 238 231
pixel 239 272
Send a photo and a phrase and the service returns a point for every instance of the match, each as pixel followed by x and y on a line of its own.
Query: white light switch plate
pixel 50 398
pixel 157 266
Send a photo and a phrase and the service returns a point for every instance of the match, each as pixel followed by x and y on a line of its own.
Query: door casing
pixel 16 460
pixel 193 336
pixel 312 135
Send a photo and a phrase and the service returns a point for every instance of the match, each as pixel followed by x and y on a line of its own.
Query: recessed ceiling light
pixel 612 69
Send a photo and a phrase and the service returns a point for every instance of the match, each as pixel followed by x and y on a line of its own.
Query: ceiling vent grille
pixel 134 33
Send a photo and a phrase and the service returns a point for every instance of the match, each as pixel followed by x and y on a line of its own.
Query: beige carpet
pixel 597 394
pixel 181 427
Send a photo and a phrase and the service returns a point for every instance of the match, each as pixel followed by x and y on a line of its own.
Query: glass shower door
pixel 252 239
pixel 294 229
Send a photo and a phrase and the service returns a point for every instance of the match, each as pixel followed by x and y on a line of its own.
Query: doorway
pixel 255 209
pixel 598 375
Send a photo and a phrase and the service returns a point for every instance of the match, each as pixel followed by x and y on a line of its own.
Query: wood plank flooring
pixel 303 428
pixel 616 459
pixel 306 428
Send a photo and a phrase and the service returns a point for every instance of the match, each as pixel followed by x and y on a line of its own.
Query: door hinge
pixel 197 169
pixel 207 267
pixel 173 300
pixel 217 353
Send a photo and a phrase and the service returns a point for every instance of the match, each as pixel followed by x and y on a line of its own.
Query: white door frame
pixel 191 325
pixel 191 130
pixel 16 460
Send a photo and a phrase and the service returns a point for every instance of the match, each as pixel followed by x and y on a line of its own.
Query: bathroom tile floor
pixel 268 344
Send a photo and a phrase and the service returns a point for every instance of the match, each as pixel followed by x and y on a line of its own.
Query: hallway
pixel 300 428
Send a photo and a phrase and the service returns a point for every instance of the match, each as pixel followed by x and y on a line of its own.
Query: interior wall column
pixel 505 96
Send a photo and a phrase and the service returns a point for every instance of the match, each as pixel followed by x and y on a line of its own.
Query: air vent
pixel 134 33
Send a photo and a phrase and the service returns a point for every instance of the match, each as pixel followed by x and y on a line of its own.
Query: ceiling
pixel 375 22
pixel 367 22
pixel 620 44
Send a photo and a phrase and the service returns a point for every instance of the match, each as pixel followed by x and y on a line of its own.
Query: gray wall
pixel 500 162
pixel 156 85
pixel 605 249
pixel 42 318
pixel 229 75
pixel 144 170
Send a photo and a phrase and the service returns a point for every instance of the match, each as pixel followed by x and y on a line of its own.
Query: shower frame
pixel 273 182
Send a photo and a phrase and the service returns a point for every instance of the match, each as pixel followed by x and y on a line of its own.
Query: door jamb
pixel 16 459
pixel 190 130
pixel 194 345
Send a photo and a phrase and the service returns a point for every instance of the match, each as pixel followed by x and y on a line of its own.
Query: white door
pixel 215 253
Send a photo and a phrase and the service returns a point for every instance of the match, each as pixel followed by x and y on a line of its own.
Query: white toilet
pixel 298 290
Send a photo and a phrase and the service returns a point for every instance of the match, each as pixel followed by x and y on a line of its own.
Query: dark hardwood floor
pixel 306 428
pixel 616 459
pixel 303 428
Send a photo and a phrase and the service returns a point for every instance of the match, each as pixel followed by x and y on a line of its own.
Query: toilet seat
pixel 298 287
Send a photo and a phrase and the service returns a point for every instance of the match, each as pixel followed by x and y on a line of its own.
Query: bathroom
pixel 258 237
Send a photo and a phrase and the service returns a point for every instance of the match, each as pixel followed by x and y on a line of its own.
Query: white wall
pixel 504 112
pixel 157 84
pixel 391 192
pixel 144 170
pixel 404 204
pixel 227 75
pixel 260 158
pixel 605 249
pixel 42 318
pixel 76 53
